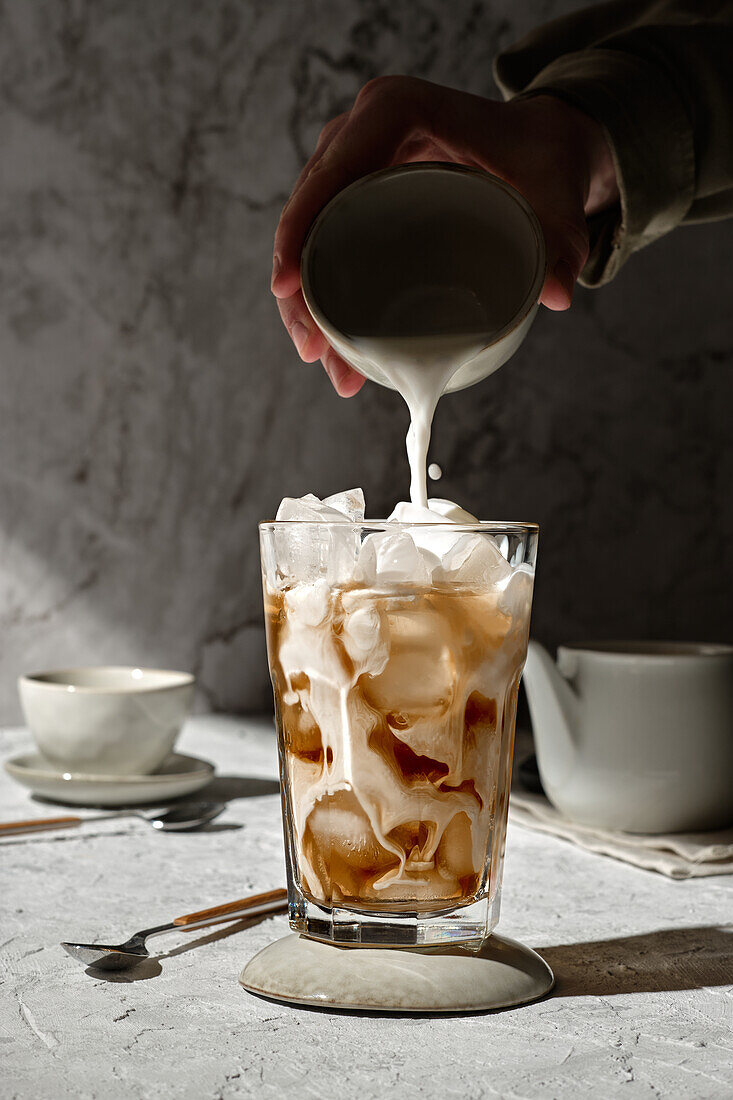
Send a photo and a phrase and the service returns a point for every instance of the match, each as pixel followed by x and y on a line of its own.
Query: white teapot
pixel 635 736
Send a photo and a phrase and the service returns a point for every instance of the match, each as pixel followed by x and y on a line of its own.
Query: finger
pixel 310 343
pixel 345 380
pixel 326 136
pixel 419 147
pixel 557 293
pixel 566 241
pixel 329 131
pixel 377 126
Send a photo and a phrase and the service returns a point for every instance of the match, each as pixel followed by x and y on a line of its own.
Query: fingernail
pixel 275 270
pixel 299 335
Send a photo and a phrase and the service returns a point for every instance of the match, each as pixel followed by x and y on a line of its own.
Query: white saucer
pixel 177 776
pixel 298 970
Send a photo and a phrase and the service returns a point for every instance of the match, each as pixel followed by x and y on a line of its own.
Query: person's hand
pixel 555 155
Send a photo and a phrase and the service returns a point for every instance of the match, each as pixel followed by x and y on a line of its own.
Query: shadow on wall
pixel 653 962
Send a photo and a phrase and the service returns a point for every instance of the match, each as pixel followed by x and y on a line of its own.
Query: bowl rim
pixel 532 296
pixel 67 682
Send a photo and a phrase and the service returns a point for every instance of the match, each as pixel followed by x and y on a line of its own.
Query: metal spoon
pixel 185 815
pixel 124 955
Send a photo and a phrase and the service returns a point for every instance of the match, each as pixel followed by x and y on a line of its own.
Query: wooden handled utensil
pixel 123 955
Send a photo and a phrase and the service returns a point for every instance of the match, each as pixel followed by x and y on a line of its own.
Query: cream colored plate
pixel 178 775
pixel 304 971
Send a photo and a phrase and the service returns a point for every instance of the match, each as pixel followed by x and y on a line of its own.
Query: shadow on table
pixel 151 968
pixel 654 962
pixel 226 788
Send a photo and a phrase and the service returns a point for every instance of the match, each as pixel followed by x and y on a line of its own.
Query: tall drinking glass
pixel 395 655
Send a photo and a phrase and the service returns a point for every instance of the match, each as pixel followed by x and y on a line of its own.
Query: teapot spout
pixel 554 706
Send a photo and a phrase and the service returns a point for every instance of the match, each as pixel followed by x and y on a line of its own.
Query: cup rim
pixel 532 297
pixel 649 650
pixel 65 680
pixel 501 527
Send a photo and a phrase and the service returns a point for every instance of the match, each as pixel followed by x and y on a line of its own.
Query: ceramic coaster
pixel 429 979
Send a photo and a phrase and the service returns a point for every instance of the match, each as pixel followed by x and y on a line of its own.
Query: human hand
pixel 552 153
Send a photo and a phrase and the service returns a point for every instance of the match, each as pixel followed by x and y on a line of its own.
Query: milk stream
pixel 419 369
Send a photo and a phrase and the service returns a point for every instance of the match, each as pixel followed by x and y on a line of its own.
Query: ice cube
pixel 298 555
pixel 364 637
pixel 311 552
pixel 308 509
pixel 308 604
pixel 437 540
pixel 350 503
pixel 516 598
pixel 390 556
pixel 343 554
pixel 416 688
pixel 338 826
pixel 477 561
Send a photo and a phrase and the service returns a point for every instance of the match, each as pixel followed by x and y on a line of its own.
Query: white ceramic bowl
pixel 106 720
pixel 438 234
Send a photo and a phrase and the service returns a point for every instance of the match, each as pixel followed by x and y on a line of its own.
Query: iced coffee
pixel 395 653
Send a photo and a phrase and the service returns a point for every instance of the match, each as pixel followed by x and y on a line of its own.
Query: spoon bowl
pixel 188 815
pixel 106 957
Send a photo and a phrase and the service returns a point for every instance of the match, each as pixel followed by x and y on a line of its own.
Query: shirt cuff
pixel 651 140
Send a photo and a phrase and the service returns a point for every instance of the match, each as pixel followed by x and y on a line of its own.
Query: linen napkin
pixel 676 855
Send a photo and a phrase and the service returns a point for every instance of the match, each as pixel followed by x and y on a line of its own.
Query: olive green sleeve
pixel 658 76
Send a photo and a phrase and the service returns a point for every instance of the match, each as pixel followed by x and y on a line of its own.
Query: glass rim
pixel 500 527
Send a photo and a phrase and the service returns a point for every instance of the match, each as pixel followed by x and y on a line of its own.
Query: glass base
pixel 466 925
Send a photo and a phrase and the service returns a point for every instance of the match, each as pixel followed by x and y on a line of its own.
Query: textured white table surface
pixel 643 1005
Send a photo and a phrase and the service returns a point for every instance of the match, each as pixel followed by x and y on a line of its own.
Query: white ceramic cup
pixel 635 736
pixel 427 249
pixel 106 720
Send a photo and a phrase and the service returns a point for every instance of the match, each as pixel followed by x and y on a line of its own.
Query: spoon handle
pixel 35 825
pixel 272 900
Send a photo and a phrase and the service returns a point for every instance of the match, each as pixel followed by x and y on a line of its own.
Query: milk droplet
pixel 434 471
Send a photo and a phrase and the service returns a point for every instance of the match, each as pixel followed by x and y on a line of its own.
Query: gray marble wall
pixel 153 410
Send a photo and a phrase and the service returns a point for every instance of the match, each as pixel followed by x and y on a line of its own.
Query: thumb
pixel 567 252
